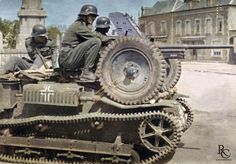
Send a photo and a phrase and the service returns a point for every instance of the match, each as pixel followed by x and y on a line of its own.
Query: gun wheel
pixel 131 70
pixel 173 72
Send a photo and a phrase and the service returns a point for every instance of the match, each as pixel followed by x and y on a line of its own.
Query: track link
pixel 12 123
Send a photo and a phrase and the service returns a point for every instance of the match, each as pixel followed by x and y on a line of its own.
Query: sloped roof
pixel 163 6
pixel 166 6
pixel 203 3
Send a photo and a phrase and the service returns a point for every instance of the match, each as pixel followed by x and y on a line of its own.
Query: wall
pixel 5 55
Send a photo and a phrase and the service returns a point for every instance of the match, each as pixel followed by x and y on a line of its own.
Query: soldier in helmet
pixel 37 43
pixel 103 25
pixel 102 28
pixel 80 46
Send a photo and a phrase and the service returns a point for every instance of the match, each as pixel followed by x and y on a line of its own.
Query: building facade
pixel 192 22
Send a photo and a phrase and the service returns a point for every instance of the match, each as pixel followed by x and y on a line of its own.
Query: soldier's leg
pixel 92 53
pixel 90 58
pixel 15 64
pixel 87 50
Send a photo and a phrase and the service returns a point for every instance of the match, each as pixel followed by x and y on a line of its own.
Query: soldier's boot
pixel 87 76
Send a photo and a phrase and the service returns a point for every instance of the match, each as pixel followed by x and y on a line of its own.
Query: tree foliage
pixel 9 29
pixel 53 32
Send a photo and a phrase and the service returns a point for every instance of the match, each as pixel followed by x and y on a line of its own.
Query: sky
pixel 63 12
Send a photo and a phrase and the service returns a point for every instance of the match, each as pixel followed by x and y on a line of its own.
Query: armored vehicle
pixel 133 114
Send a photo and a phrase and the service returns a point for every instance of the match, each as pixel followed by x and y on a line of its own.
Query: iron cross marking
pixel 47 93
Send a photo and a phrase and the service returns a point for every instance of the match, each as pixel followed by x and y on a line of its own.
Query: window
pixel 216 52
pixel 179 27
pixel 219 24
pixel 151 28
pixel 197 26
pixel 208 26
pixel 188 27
pixel 163 28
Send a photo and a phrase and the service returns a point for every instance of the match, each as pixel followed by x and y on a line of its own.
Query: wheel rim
pixel 130 71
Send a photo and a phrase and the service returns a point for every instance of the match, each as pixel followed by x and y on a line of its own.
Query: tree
pixel 9 29
pixel 53 32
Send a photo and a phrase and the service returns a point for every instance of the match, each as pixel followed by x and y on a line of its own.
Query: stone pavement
pixel 211 67
pixel 211 86
pixel 212 91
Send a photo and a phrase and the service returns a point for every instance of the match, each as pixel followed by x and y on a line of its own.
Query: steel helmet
pixel 39 30
pixel 103 22
pixel 88 10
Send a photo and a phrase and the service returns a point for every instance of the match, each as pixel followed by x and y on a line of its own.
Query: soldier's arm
pixel 55 54
pixel 85 33
pixel 109 38
pixel 106 39
pixel 30 50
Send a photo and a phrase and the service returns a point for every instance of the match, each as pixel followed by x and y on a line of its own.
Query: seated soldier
pixel 102 28
pixel 103 25
pixel 80 46
pixel 38 47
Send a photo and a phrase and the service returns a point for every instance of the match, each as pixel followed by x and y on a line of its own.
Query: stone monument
pixel 31 13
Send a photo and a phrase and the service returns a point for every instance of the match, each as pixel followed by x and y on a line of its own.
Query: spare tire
pixel 173 72
pixel 131 70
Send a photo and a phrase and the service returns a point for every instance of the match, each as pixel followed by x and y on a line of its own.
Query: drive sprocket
pixel 160 135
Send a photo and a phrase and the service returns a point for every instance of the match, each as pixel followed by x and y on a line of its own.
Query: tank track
pixel 88 118
pixel 188 112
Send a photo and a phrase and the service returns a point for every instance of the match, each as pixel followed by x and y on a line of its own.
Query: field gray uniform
pixel 80 47
pixel 16 63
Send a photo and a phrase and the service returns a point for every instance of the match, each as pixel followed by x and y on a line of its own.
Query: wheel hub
pixel 131 71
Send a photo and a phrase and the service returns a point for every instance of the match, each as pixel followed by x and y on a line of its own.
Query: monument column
pixel 31 13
